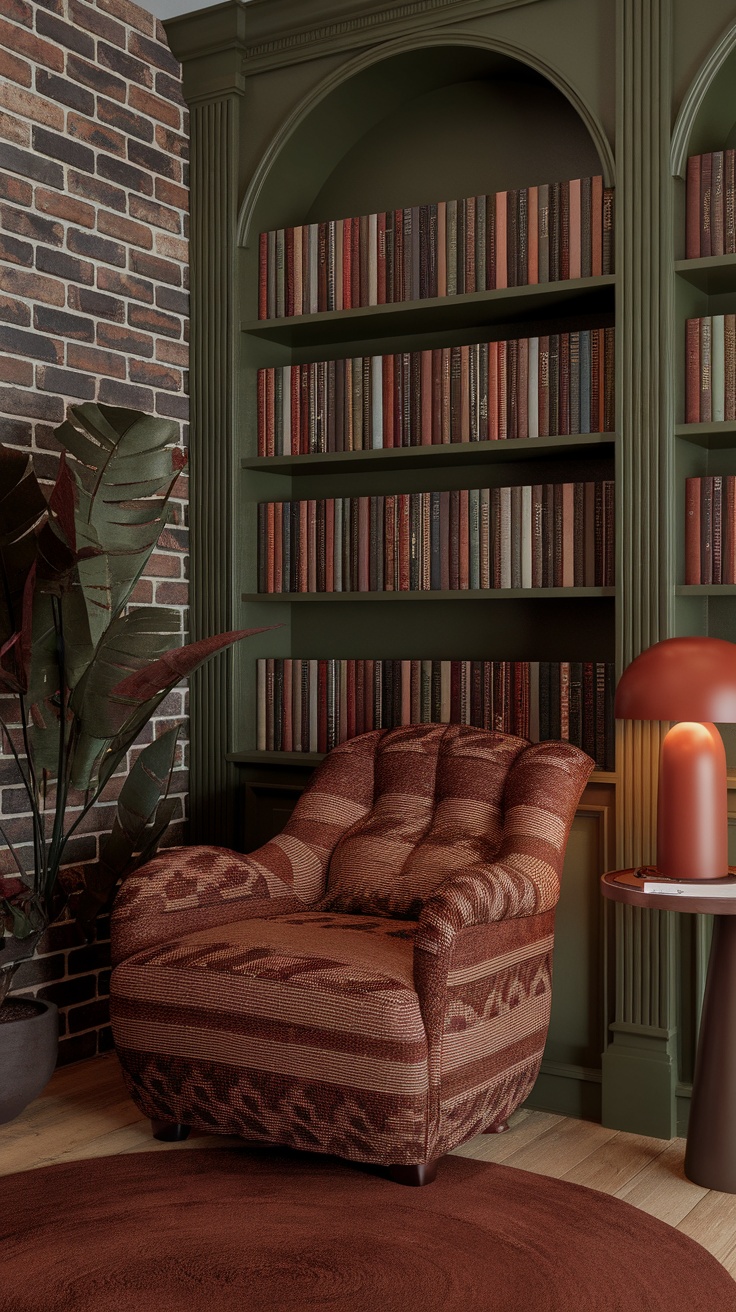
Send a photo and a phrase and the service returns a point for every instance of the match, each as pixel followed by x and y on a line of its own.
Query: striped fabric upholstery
pixel 436 810
pixel 383 1009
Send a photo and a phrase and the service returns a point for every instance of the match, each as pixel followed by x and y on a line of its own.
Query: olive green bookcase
pixel 308 112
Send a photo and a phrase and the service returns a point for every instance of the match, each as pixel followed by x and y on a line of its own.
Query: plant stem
pixel 39 836
pixel 62 784
pixel 21 870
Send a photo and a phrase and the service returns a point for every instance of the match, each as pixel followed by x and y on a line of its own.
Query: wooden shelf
pixel 453 453
pixel 314 758
pixel 716 435
pixel 706 590
pixel 471 310
pixel 467 594
pixel 710 274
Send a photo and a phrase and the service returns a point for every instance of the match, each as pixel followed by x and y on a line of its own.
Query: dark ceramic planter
pixel 28 1049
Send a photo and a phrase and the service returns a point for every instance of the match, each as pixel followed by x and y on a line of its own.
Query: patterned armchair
pixel 374 982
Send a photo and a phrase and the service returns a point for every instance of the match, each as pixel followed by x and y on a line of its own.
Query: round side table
pixel 710 1157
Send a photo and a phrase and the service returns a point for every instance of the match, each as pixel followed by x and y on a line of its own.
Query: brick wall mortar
pixel 93 306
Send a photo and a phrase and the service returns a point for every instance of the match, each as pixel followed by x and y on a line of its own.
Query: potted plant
pixel 81 672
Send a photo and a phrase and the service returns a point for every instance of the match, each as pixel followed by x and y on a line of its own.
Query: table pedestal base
pixel 710 1159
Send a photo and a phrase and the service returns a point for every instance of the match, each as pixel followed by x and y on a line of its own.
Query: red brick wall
pixel 93 306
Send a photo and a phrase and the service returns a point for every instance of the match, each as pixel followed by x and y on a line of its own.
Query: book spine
pixel 692 208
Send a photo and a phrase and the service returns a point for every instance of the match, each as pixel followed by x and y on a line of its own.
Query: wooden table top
pixel 628 886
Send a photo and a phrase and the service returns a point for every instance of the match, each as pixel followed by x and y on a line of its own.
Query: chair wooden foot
pixel 499 1127
pixel 422 1173
pixel 169 1131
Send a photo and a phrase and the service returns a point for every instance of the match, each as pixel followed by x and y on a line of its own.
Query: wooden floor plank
pixel 560 1148
pixel 662 1189
pixel 616 1163
pixel 524 1129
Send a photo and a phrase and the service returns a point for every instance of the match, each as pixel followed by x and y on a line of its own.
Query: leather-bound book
pixel 441 289
pixel 435 572
pixel 609 380
pixel 608 233
pixel 609 561
pixel 554 700
pixel 424 540
pixel 461 232
pixel 398 282
pixel 455 393
pixel 474 538
pixel 389 240
pixel 287 732
pixel 692 371
pixel 415 695
pixel 278 546
pixel 321 545
pixel 424 253
pixel 568 535
pixel 476 693
pixel 415 254
pixel 574 375
pixel 367 396
pixel 512 388
pixel 322 267
pixel 406 399
pixel 548 536
pixel 544 708
pixel 609 693
pixel 436 396
pixel 332 289
pixel 600 541
pixel 491 241
pixel 261 377
pixel 464 434
pixel 706 393
pixel 692 208
pixel 270 412
pixel 512 237
pixel 706 530
pixel 464 542
pixel 280 273
pixel 730 366
pixel 403 541
pixel 596 226
pixel 564 194
pixel 717 523
pixel 455 692
pixel 451 247
pixel 717 367
pixel 503 394
pixel 600 714
pixel 389 551
pixel 493 391
pixel 564 384
pixel 537 535
pixel 526 535
pixel 729 562
pixel 575 703
pixel 446 419
pixel 263 556
pixel 470 244
pixel 543 233
pixel 291 546
pixel 480 243
pixel 544 429
pixel 729 202
pixel 515 535
pixel 716 204
pixel 554 231
pixel 432 238
pixel 533 376
pixel 595 376
pixel 347 264
pixel 482 357
pixel 692 530
pixel 311 580
pixel 522 239
pixel 445 541
pixel 532 237
pixel 578 535
pixel 454 543
pixel 505 537
pixel 364 544
pixel 586 219
pixel 501 242
pixel 295 390
pixel 706 177
pixel 387 399
pixel 564 667
pixel 591 522
pixel 269 699
pixel 522 346
pixel 375 534
pixel 263 276
pixel 354 525
pixel 372 675
pixel 558 532
pixel 473 407
pixel 322 714
pixel 415 398
pixel 589 742
pixel 554 383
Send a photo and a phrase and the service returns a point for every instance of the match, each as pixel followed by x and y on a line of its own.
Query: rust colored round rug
pixel 263 1231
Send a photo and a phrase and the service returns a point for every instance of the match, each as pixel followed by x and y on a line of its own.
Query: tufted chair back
pixel 436 809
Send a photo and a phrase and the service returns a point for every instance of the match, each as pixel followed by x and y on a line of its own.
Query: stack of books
pixel 511 238
pixel 710 529
pixel 540 536
pixel 312 705
pixel 710 204
pixel 710 368
pixel 524 387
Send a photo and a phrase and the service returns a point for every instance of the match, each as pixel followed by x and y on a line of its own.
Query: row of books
pixel 511 238
pixel 545 535
pixel 524 387
pixel 710 191
pixel 710 368
pixel 312 705
pixel 710 529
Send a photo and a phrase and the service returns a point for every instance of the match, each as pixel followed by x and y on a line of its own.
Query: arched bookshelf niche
pixel 438 122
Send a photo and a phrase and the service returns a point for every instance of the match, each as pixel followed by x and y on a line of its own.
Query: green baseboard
pixel 568 1090
pixel 639 1077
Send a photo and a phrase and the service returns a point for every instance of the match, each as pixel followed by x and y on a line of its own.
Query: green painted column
pixel 213 83
pixel 639 1066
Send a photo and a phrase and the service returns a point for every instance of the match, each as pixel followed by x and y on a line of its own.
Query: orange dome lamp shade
pixel 691 681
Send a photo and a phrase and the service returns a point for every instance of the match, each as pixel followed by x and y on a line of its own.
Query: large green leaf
pixel 124 465
pixel 142 819
pixel 23 513
pixel 131 643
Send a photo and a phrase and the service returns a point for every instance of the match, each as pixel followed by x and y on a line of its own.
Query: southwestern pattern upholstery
pixel 375 982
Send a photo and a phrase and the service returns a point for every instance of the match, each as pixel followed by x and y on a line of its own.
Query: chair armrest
pixel 189 888
pixel 542 792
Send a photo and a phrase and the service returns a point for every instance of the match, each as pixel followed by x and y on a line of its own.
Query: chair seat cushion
pixel 303 1029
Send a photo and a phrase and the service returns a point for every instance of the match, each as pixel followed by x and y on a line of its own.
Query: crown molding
pixel 272 33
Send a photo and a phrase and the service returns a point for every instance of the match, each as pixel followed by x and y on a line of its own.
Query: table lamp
pixel 692 681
